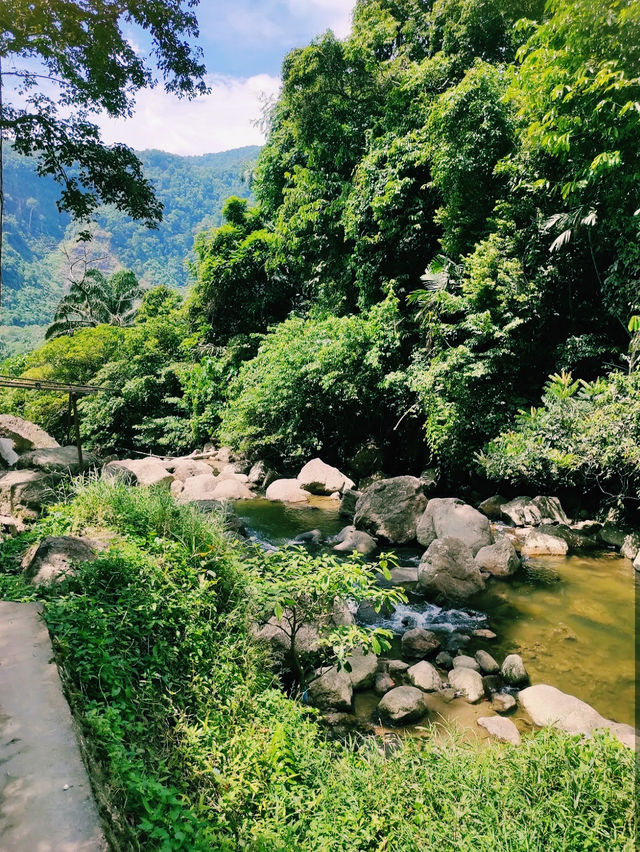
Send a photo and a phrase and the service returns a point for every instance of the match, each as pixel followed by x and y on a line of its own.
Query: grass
pixel 195 748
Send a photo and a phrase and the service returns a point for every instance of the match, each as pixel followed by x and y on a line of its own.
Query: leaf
pixel 560 241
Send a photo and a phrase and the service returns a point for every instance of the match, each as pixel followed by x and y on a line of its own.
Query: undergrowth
pixel 195 748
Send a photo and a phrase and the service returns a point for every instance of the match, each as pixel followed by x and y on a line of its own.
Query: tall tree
pixel 65 60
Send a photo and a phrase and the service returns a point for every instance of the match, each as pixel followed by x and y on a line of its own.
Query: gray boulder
pixel 502 702
pixel 636 562
pixel 320 478
pixel 287 491
pixel 8 455
pixel 612 535
pixel 348 503
pixel 499 559
pixel 362 668
pixel 419 643
pixel 501 729
pixel 184 469
pixel 424 676
pixel 331 690
pixel 350 539
pixel 198 488
pixel 547 705
pixel 486 662
pixel 383 683
pixel 448 517
pixel 467 682
pixel 524 511
pixel 444 660
pixel 492 507
pixel 53 558
pixel 390 509
pixel 57 460
pixel 402 705
pixel 148 471
pixel 631 546
pixel 544 543
pixel 397 668
pixel 231 489
pixel 513 671
pixel 25 435
pixel 25 491
pixel 551 510
pixel 448 570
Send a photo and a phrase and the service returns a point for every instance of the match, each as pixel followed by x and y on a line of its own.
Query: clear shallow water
pixel 572 619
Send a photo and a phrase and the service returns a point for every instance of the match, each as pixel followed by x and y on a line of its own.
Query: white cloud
pixel 217 122
pixel 330 14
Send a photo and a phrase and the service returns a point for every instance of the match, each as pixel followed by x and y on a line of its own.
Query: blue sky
pixel 244 43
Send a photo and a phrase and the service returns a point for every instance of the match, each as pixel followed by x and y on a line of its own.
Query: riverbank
pixel 196 749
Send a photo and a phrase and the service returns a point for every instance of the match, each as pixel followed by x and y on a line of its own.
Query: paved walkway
pixel 46 803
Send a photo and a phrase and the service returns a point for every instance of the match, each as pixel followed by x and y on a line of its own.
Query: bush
pixel 585 434
pixel 319 386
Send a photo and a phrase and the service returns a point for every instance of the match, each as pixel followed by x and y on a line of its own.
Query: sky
pixel 244 43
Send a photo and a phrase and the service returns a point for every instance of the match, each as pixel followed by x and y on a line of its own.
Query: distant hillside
pixel 40 252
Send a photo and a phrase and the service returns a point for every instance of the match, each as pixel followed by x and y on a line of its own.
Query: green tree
pixel 97 300
pixel 60 62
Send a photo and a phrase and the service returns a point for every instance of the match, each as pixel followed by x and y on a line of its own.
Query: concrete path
pixel 46 803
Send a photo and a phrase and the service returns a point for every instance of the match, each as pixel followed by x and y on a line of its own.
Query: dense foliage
pixel 195 748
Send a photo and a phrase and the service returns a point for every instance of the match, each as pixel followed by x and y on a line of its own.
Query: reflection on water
pixel 572 619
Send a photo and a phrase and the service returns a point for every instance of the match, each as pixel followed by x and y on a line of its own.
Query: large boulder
pixel 468 682
pixel 524 511
pixel 25 491
pixel 464 661
pixel 448 517
pixel 320 478
pixel 148 471
pixel 402 705
pixel 486 662
pixel 501 729
pixel 25 435
pixel 199 488
pixel 492 507
pixel 547 705
pixel 545 542
pixel 350 539
pixel 287 491
pixel 419 643
pixel 53 558
pixel 425 677
pixel 612 535
pixel 361 668
pixel 184 469
pixel 631 546
pixel 231 489
pixel 499 559
pixel 57 460
pixel 636 563
pixel 448 570
pixel 390 509
pixel 331 689
pixel 348 503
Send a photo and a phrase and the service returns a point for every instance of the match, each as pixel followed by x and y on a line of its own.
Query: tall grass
pixel 195 748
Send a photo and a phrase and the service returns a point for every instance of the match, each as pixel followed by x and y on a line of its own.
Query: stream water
pixel 572 619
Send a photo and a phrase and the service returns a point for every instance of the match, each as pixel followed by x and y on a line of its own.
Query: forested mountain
pixel 40 247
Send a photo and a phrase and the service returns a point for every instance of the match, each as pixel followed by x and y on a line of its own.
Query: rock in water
pixel 502 702
pixel 492 507
pixel 363 668
pixel 391 508
pixel 383 683
pixel 545 543
pixel 499 559
pixel 25 435
pixel 348 503
pixel 198 488
pixel 523 511
pixel 350 539
pixel 448 570
pixel 320 478
pixel 424 676
pixel 463 661
pixel 53 558
pixel 487 663
pixel 447 517
pixel 402 705
pixel 231 489
pixel 419 643
pixel 468 682
pixel 287 491
pixel 547 705
pixel 331 690
pixel 513 670
pixel 500 728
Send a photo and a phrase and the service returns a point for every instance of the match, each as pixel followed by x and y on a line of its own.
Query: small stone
pixel 513 670
pixel 487 663
pixel 397 668
pixel 484 633
pixel 462 661
pixel 492 684
pixel 502 702
pixel 500 728
pixel 468 682
pixel 447 694
pixel 402 705
pixel 383 683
